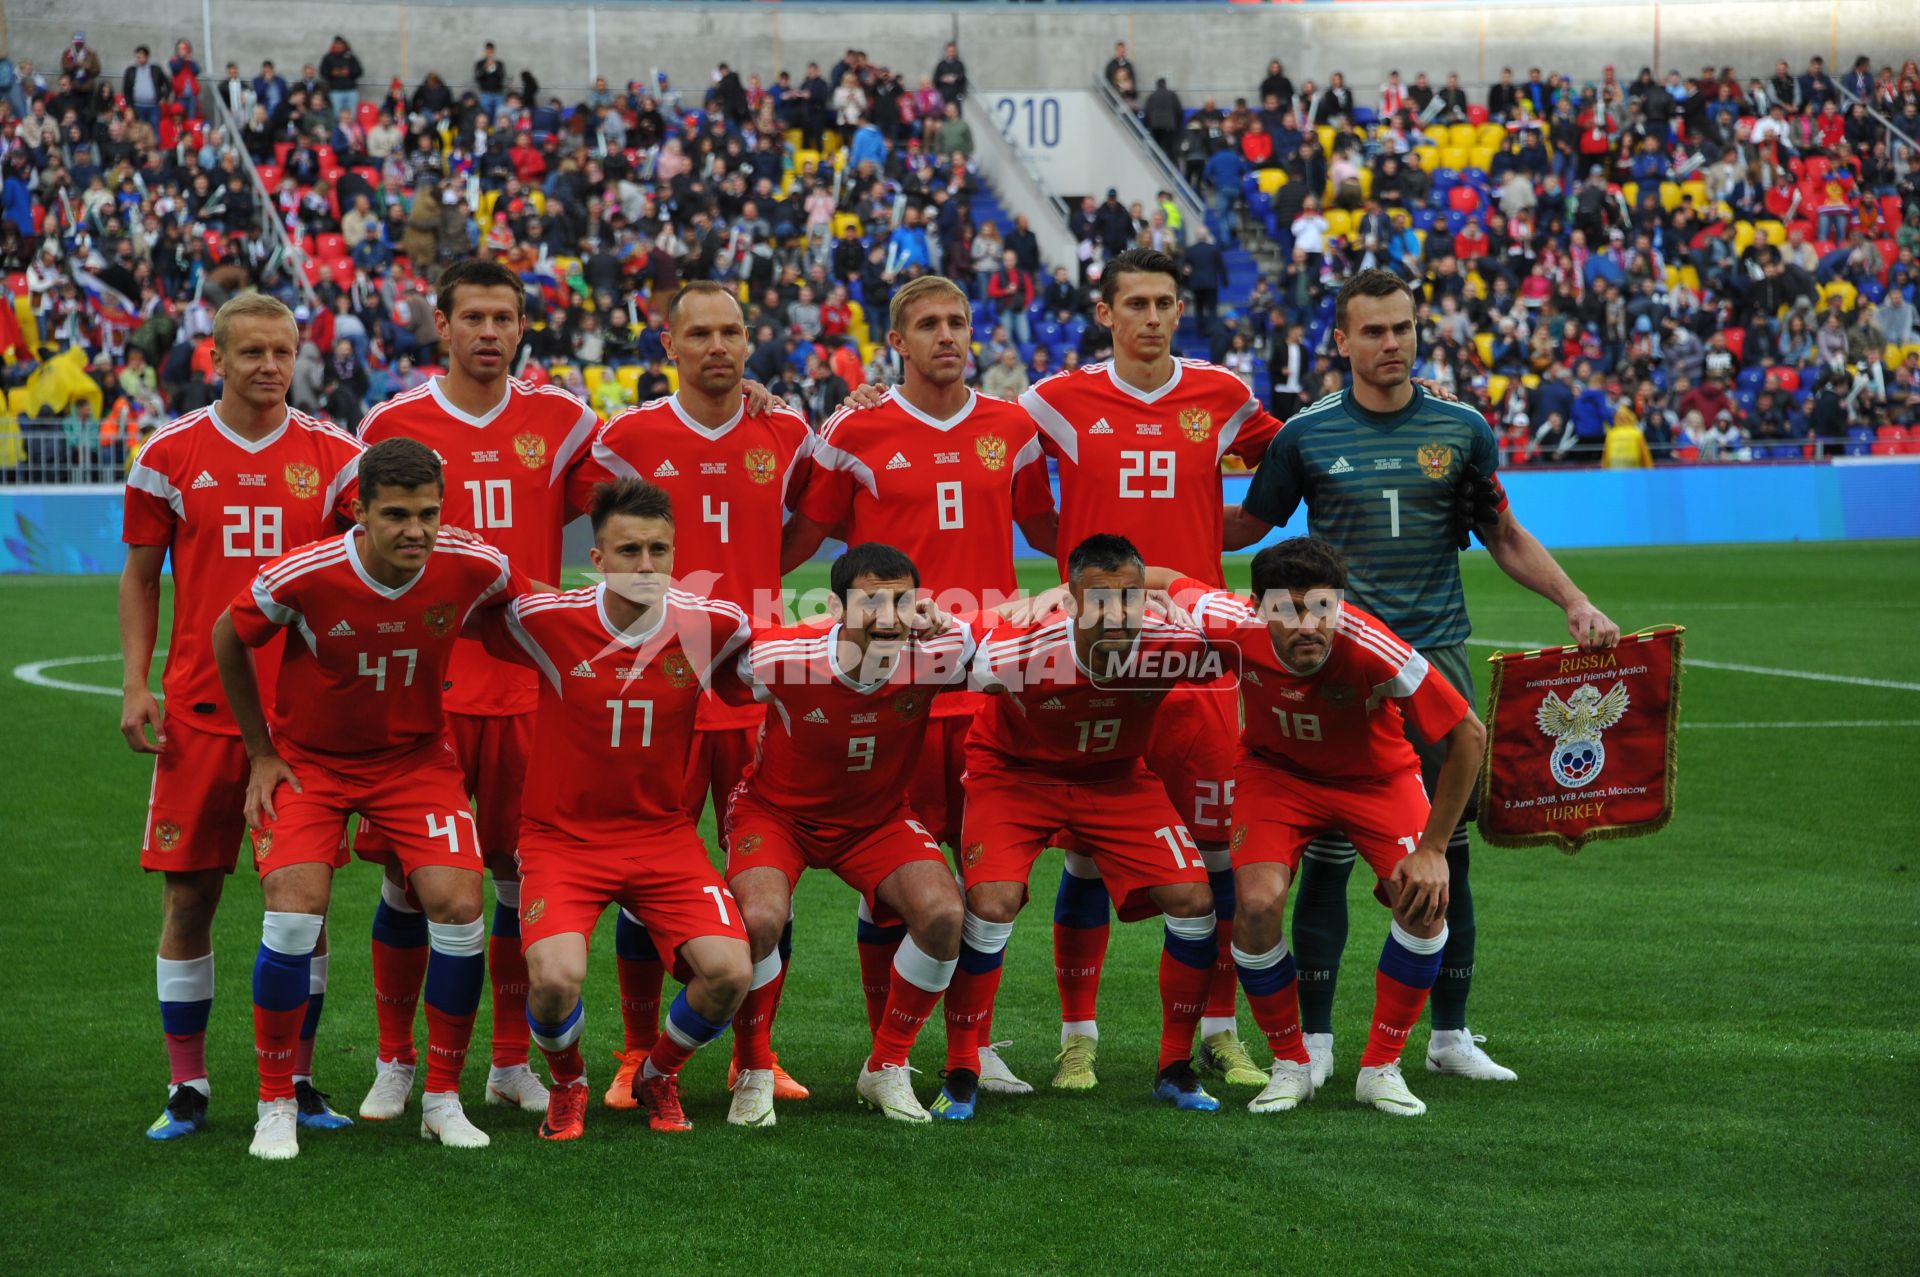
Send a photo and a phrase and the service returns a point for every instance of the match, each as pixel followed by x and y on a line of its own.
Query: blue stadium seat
pixel 1365 115
pixel 1859 442
pixel 1423 219
pixel 1751 378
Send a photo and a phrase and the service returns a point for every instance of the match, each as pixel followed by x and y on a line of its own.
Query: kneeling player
pixel 829 791
pixel 1326 689
pixel 1062 749
pixel 373 616
pixel 622 668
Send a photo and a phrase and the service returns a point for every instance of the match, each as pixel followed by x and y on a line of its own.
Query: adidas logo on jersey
pixel 1340 466
pixel 899 462
pixel 582 670
pixel 665 470
pixel 1053 702
pixel 814 716
pixel 205 480
pixel 1253 676
pixel 342 630
pixel 1100 427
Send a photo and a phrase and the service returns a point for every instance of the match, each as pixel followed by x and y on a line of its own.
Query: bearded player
pixel 1329 693
pixel 851 707
pixel 1139 441
pixel 1062 748
pixel 219 492
pixel 374 616
pixel 622 667
pixel 732 469
pixel 944 474
pixel 507 447
pixel 1394 479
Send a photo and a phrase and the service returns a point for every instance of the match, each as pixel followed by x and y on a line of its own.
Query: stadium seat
pixel 1455 157
pixel 1690 277
pixel 1364 116
pixel 1461 135
pixel 270 176
pixel 1480 157
pixel 1736 342
pixel 1339 221
pixel 1483 342
pixel 1751 379
pixel 673 379
pixel 1493 135
pixel 804 160
pixel 845 224
pixel 1774 232
pixel 1696 190
pixel 1497 387
pixel 593 375
pixel 1859 442
pixel 628 375
pixel 1890 441
pixel 1463 199
pixel 368 114
pixel 1787 379
pixel 1670 195
pixel 1428 157
pixel 1271 180
pixel 329 247
pixel 1325 133
pixel 1476 114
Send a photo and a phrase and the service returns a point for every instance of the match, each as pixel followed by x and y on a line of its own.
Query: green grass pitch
pixel 1714 1030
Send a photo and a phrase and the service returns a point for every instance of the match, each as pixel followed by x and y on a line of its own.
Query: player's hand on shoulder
pixel 460 536
pixel 1591 628
pixel 1435 389
pixel 926 620
pixel 865 395
pixel 265 775
pixel 758 399
pixel 1028 609
pixel 139 710
pixel 1161 603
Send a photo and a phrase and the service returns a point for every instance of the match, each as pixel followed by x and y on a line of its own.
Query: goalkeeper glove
pixel 1476 503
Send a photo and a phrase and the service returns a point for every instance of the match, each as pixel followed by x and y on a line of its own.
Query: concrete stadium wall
pixel 1223 48
pixel 76 530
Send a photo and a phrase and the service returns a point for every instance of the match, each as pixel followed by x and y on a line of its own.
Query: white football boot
pixel 752 1099
pixel 1320 1055
pixel 442 1119
pixel 387 1097
pixel 1382 1087
pixel 995 1076
pixel 889 1088
pixel 1457 1053
pixel 276 1135
pixel 1289 1085
pixel 517 1087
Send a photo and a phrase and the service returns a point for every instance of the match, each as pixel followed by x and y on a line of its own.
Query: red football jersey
pixel 364 671
pixel 223 506
pixel 1344 721
pixel 506 481
pixel 1054 721
pixel 835 752
pixel 615 723
pixel 1146 465
pixel 948 493
pixel 731 487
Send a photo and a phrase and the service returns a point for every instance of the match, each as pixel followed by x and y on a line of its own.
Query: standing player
pixel 1393 478
pixel 1328 692
pixel 1062 749
pixel 373 616
pixel 852 707
pixel 506 447
pixel 1139 441
pixel 944 474
pixel 740 470
pixel 220 491
pixel 621 667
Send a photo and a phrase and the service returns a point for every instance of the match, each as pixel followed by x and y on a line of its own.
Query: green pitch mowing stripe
pixel 1713 1030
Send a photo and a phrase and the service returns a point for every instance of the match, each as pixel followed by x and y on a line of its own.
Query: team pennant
pixel 1580 745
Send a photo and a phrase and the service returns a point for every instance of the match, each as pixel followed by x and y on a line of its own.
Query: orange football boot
pixel 620 1091
pixel 662 1098
pixel 566 1112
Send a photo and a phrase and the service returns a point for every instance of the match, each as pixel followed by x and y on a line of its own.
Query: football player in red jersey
pixel 622 667
pixel 1062 748
pixel 1329 692
pixel 732 469
pixel 507 447
pixel 1139 441
pixel 220 491
pixel 944 474
pixel 374 616
pixel 852 705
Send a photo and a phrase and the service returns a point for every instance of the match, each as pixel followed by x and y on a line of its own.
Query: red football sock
pixel 1220 990
pixel 565 1064
pixel 448 1037
pixel 186 1057
pixel 669 1054
pixel 1396 1009
pixel 276 1036
pixel 640 983
pixel 1078 955
pixel 969 1015
pixel 1183 996
pixel 753 1028
pixel 908 1008
pixel 1278 1015
pixel 876 976
pixel 507 970
pixel 398 974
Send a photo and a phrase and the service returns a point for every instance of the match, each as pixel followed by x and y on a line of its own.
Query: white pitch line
pixel 1830 722
pixel 34 674
pixel 1811 676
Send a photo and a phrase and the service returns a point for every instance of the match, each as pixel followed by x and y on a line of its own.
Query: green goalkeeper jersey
pixel 1381 490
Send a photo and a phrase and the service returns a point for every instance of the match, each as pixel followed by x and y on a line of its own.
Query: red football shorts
pixel 934 791
pixel 663 877
pixel 492 751
pixel 761 835
pixel 720 757
pixel 196 810
pixel 1278 812
pixel 1127 826
pixel 415 794
pixel 1196 736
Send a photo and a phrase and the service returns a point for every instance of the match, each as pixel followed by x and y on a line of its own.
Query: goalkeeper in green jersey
pixel 1397 479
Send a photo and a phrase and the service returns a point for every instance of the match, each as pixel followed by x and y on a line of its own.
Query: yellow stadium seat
pixel 1339 221
pixel 1775 232
pixel 744 291
pixel 1696 190
pixel 804 160
pixel 1428 157
pixel 857 322
pixel 1271 179
pixel 1461 135
pixel 1892 355
pixel 538 199
pixel 1839 290
pixel 1483 342
pixel 1325 133
pixel 594 374
pixel 628 375
pixel 1912 351
pixel 1493 135
pixel 831 141
pixel 845 222
pixel 1742 236
pixel 565 266
pixel 1673 276
pixel 487 200
pixel 1366 183
pixel 794 137
pixel 1422 237
pixel 1454 157
pixel 673 380
pixel 1481 157
pixel 1632 192
pixel 1497 388
pixel 1669 195
pixel 1530 380
pixel 559 371
pixel 1690 277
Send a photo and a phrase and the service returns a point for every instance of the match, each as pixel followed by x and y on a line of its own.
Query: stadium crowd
pixel 1701 268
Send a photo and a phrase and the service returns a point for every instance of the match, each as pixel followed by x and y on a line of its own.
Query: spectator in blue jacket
pixel 1591 416
pixel 869 143
pixel 1224 170
pixel 908 246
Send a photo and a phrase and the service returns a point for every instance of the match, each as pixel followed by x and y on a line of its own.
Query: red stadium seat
pixel 1816 167
pixel 1463 199
pixel 169 133
pixel 281 150
pixel 1787 379
pixel 329 246
pixel 1476 115
pixel 1737 343
pixel 368 114
pixel 270 176
pixel 1890 441
pixel 325 155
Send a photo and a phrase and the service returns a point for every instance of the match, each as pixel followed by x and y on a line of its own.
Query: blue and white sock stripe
pixel 506 909
pixel 558 1037
pixel 912 964
pixel 1264 973
pixel 185 988
pixel 457 966
pixel 983 944
pixel 281 970
pixel 767 970
pixel 396 923
pixel 1082 901
pixel 1412 960
pixel 688 1027
pixel 867 931
pixel 1193 941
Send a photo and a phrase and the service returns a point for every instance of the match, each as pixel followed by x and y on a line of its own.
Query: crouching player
pixel 850 708
pixel 374 615
pixel 1327 690
pixel 622 667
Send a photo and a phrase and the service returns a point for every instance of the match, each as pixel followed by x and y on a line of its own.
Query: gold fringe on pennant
pixel 1633 829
